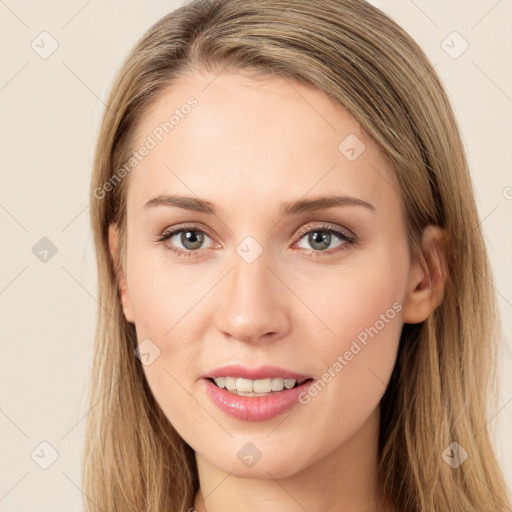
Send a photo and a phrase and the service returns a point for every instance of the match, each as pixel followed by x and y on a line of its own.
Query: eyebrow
pixel 286 209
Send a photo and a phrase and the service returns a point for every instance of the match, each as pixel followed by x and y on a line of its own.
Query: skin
pixel 247 147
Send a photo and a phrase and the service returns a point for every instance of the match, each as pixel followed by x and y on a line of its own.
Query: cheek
pixel 163 295
pixel 363 308
pixel 354 295
pixel 169 308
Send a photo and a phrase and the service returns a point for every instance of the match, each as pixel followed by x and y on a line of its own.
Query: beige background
pixel 50 114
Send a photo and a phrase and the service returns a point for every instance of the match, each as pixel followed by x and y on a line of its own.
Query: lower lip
pixel 255 408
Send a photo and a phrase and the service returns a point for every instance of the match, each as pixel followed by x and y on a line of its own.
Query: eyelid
pixel 183 227
pixel 304 230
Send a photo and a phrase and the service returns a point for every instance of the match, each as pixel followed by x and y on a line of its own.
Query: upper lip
pixel 261 372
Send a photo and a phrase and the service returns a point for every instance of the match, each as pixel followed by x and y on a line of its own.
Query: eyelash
pixel 345 237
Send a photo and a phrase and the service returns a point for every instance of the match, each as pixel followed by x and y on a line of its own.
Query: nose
pixel 254 303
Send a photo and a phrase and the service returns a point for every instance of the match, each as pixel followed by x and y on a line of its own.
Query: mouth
pixel 259 387
pixel 255 399
pixel 255 394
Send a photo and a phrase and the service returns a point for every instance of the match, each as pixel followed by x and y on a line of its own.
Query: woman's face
pixel 259 282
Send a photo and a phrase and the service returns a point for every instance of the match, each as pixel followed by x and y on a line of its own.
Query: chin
pixel 284 466
pixel 259 459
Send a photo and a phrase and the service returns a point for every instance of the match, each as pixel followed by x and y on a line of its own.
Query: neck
pixel 345 479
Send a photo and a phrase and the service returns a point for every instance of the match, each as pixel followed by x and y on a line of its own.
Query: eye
pixel 319 238
pixel 322 237
pixel 190 237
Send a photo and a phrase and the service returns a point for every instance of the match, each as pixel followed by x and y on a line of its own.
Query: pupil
pixel 194 238
pixel 323 240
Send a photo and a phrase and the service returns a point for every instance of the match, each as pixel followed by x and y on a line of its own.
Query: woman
pixel 297 309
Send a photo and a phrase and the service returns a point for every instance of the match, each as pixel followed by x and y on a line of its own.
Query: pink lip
pixel 262 372
pixel 254 408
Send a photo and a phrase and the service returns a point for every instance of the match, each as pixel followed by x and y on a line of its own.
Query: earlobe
pixel 113 239
pixel 427 277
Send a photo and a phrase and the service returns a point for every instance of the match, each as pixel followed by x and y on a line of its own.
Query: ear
pixel 427 277
pixel 113 240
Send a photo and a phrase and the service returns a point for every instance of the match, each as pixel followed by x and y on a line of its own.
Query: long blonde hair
pixel 445 371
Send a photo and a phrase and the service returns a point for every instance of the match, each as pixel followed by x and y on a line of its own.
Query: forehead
pixel 228 137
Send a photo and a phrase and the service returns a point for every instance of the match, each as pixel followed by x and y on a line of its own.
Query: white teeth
pixel 277 384
pixel 248 387
pixel 244 385
pixel 289 383
pixel 221 382
pixel 230 383
pixel 262 385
